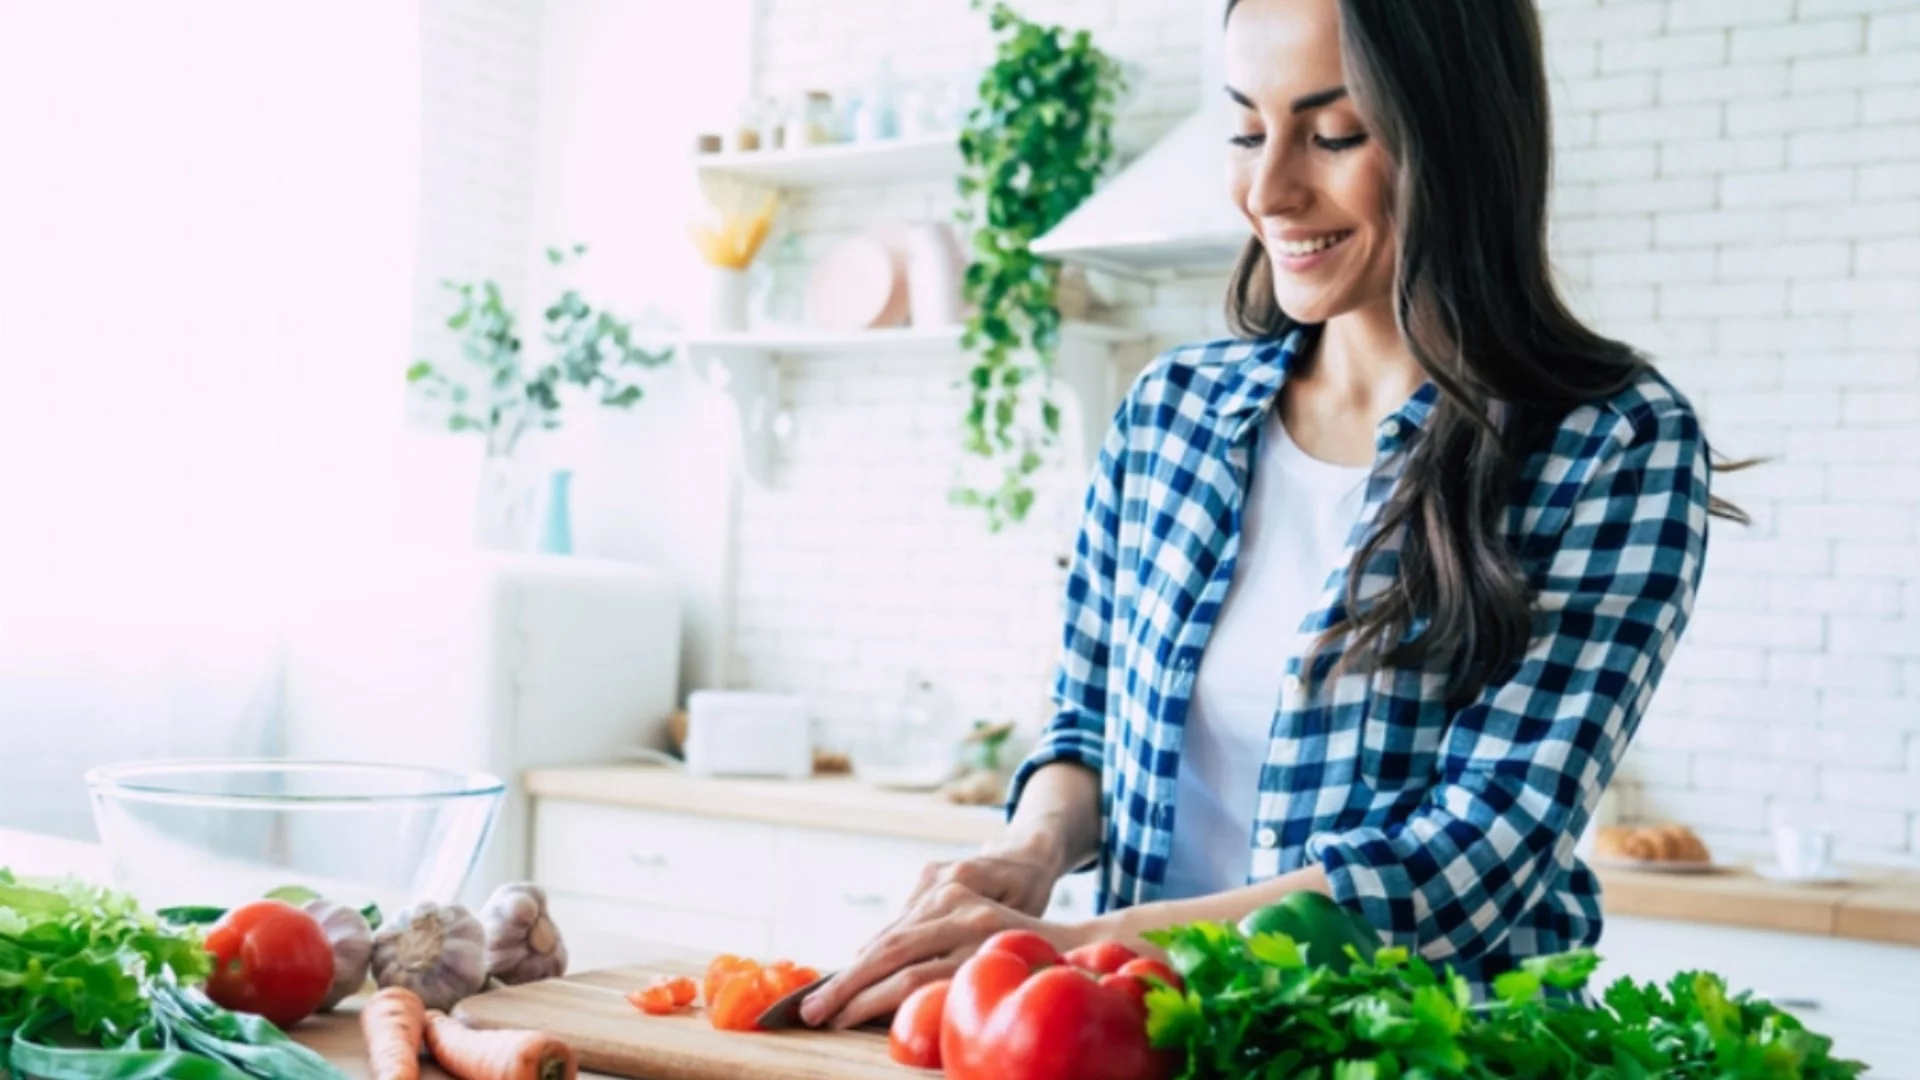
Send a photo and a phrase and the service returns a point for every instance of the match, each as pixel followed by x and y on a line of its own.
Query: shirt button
pixel 1185 663
pixel 1390 429
pixel 1267 838
pixel 1290 686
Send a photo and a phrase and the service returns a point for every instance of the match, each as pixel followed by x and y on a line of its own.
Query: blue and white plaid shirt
pixel 1451 829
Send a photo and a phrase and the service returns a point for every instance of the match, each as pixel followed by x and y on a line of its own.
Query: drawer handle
pixel 863 900
pixel 650 860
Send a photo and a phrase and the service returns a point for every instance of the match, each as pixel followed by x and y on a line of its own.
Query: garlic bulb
pixel 523 944
pixel 438 952
pixel 352 940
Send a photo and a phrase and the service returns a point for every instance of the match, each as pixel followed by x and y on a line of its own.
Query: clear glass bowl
pixel 219 833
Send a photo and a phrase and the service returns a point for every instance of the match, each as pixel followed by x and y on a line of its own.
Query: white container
pixel 933 274
pixel 740 733
pixel 725 308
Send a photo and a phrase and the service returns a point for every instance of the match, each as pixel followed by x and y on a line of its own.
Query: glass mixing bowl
pixel 219 833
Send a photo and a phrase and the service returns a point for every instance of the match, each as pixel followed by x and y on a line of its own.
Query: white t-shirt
pixel 1294 530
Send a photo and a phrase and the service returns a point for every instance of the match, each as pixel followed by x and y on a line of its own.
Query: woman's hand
pixel 955 907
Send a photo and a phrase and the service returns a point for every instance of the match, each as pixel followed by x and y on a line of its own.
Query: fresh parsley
pixel 1253 1009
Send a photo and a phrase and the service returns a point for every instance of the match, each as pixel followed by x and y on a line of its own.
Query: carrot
pixel 498 1055
pixel 394 1021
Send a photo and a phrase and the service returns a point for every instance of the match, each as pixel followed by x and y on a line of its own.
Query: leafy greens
pixel 1254 1009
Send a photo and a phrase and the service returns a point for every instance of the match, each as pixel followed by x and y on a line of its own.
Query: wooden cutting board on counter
pixel 590 1011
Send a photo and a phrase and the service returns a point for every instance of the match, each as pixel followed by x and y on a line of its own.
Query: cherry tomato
pixel 914 1038
pixel 270 959
pixel 1102 957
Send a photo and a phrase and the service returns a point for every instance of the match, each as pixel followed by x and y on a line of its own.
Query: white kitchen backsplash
pixel 1739 195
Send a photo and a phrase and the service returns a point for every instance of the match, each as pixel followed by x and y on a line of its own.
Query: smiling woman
pixel 1369 601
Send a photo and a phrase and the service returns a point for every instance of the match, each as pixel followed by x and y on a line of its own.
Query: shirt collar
pixel 1250 386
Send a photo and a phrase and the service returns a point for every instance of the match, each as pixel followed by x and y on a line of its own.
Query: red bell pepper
pixel 1016 1012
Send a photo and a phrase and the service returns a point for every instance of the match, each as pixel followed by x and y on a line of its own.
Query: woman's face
pixel 1312 181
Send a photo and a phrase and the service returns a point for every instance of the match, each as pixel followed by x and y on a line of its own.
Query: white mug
pixel 1803 852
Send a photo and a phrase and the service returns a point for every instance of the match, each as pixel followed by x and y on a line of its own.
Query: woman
pixel 1371 602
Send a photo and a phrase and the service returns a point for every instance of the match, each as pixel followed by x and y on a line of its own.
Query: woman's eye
pixel 1344 142
pixel 1247 141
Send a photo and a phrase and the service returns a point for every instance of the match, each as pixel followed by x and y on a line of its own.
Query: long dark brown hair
pixel 1456 92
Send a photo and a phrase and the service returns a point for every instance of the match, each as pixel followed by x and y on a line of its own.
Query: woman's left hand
pixel 929 942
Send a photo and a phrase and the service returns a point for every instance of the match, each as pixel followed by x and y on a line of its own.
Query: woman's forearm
pixel 1058 819
pixel 1127 924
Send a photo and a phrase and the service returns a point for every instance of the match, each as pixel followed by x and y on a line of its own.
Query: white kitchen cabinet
pixel 811 894
pixel 1865 995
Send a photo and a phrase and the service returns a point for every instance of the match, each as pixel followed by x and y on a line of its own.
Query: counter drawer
pixel 603 933
pixel 674 861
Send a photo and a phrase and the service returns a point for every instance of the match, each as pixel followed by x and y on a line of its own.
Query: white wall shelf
pixel 927 158
pixel 743 365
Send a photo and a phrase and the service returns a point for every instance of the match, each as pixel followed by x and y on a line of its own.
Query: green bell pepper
pixel 1322 928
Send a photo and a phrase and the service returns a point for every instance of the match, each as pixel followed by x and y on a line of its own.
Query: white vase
pixel 505 511
pixel 725 309
pixel 933 274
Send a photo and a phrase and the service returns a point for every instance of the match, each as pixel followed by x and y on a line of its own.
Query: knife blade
pixel 785 1013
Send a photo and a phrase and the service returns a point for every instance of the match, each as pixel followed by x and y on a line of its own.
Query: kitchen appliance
pixel 191 833
pixel 1166 212
pixel 589 1011
pixel 487 663
pixel 745 733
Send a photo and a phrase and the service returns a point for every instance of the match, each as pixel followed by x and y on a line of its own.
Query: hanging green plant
pixel 1034 146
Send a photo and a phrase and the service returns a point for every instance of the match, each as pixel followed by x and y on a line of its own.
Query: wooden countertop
pixel 1877 905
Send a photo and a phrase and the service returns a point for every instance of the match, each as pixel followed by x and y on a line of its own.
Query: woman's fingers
pixel 907 943
pixel 886 995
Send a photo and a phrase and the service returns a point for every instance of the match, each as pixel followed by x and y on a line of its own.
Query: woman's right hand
pixel 1021 877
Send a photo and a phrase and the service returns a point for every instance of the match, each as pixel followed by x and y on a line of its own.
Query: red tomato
pixel 1030 948
pixel 915 1036
pixel 270 959
pixel 1101 957
pixel 1147 968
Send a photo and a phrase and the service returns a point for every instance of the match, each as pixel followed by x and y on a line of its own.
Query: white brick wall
pixel 1739 194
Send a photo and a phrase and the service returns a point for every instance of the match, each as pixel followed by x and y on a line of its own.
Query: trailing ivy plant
pixel 590 349
pixel 1034 145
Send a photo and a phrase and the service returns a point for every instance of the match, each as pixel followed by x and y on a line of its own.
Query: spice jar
pixel 811 122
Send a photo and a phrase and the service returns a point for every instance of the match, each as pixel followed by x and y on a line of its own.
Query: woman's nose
pixel 1277 190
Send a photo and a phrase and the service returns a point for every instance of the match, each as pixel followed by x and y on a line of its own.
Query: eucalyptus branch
pixel 591 349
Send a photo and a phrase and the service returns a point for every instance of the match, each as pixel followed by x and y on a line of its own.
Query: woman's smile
pixel 1298 250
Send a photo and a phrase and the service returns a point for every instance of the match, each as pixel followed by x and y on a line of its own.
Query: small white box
pixel 740 733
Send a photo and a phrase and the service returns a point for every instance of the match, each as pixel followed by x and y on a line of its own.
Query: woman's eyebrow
pixel 1300 104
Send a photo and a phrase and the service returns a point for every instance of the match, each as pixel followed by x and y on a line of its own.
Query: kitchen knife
pixel 785 1013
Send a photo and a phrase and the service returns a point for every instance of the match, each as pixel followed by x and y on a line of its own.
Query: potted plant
pixel 510 395
pixel 1034 146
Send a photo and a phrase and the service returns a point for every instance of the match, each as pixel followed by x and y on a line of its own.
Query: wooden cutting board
pixel 590 1011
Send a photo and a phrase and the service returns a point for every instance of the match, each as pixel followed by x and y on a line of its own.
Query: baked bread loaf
pixel 1650 843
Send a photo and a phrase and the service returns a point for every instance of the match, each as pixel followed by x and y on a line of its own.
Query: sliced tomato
pixel 784 977
pixel 723 967
pixel 655 1000
pixel 684 990
pixel 739 1003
